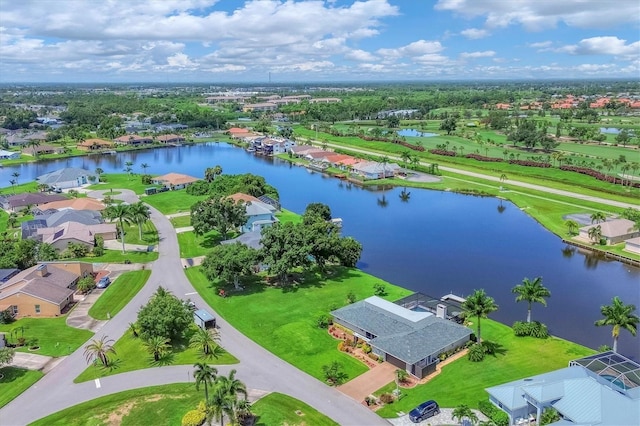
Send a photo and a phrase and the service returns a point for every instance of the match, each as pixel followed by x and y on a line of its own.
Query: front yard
pixel 16 381
pixel 192 245
pixel 171 202
pixel 118 294
pixel 463 382
pixel 54 337
pixel 283 320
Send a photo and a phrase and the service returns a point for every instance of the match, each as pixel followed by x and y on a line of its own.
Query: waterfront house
pixel 95 145
pixel 334 159
pixel 133 140
pixel 259 215
pixel 633 245
pixel 317 155
pixel 174 181
pixel 42 150
pixel 275 146
pixel 375 170
pixel 171 138
pixel 74 232
pixel 410 340
pixel 29 228
pixel 69 177
pixel 302 150
pixel 238 132
pixel 44 290
pixel 601 389
pixel 614 230
pixel 17 202
pixel 9 155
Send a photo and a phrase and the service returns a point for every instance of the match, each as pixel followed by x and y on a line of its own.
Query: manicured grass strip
pixel 288 216
pixel 283 320
pixel 154 405
pixel 120 181
pixel 192 245
pixel 132 234
pixel 181 221
pixel 132 355
pixel 16 381
pixel 116 256
pixel 55 337
pixel 173 201
pixel 280 409
pixel 118 294
pixel 464 382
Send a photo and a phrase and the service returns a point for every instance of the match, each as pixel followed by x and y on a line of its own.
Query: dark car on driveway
pixel 424 411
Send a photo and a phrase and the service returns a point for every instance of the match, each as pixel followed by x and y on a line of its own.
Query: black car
pixel 424 411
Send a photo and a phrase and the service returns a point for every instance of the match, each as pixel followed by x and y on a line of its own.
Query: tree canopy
pixel 220 213
pixel 229 262
pixel 164 316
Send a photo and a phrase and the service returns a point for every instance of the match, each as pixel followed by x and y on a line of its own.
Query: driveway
pixel 442 419
pixel 79 316
pixel 369 382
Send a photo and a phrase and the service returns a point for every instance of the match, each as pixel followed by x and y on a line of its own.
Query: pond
pixel 415 132
pixel 435 242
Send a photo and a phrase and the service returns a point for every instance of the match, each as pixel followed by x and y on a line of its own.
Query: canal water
pixel 435 243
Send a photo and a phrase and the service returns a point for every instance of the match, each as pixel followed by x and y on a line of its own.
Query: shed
pixel 204 319
pixel 150 190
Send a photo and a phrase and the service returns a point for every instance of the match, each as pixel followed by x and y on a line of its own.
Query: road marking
pixel 189 294
pixel 97 383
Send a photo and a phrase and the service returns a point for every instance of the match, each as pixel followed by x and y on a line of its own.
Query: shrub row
pixel 598 175
pixel 533 329
pixel 408 145
pixel 499 417
pixel 530 163
pixel 483 158
pixel 443 152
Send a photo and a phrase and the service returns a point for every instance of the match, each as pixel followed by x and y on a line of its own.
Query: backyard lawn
pixel 181 221
pixel 463 382
pixel 16 381
pixel 283 320
pixel 285 216
pixel 192 245
pixel 118 294
pixel 131 355
pixel 173 201
pixel 279 409
pixel 54 337
pixel 121 181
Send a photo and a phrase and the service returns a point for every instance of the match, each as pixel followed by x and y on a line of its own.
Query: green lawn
pixel 55 338
pixel 283 320
pixel 463 382
pixel 173 201
pixel 121 181
pixel 181 221
pixel 155 405
pixel 288 216
pixel 118 294
pixel 149 234
pixel 116 256
pixel 192 245
pixel 280 409
pixel 131 355
pixel 21 187
pixel 16 381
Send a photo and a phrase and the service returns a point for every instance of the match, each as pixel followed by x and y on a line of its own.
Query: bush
pixel 6 317
pixel 533 329
pixel 539 330
pixel 193 418
pixel 323 321
pixel 386 398
pixel 351 297
pixel 373 356
pixel 366 349
pixel 476 353
pixel 379 289
pixel 499 417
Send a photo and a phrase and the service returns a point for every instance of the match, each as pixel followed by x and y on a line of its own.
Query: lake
pixel 436 243
pixel 415 132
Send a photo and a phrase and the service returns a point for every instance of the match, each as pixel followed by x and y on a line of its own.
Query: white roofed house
pixel 69 177
pixel 259 215
pixel 614 231
pixel 375 170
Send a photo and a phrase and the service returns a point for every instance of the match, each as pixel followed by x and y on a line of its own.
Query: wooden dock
pixel 605 254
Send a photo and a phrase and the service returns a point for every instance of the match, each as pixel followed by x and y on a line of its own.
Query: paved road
pixel 511 183
pixel 258 368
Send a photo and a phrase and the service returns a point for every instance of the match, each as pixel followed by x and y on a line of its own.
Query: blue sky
pixel 339 40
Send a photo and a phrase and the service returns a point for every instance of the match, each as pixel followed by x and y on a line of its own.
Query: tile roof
pixel 613 228
pixel 250 239
pixel 76 204
pixel 175 179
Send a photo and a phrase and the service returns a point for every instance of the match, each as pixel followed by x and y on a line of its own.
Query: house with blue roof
pixel 68 177
pixel 598 390
pixel 409 339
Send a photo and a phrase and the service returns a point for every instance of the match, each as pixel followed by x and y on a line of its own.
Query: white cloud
pixel 360 55
pixel 475 55
pixel 541 44
pixel 603 46
pixel 475 33
pixel 412 50
pixel 537 15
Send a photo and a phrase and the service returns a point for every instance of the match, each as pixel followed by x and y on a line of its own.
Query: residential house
pixel 375 170
pixel 325 100
pixel 268 200
pixel 133 140
pixel 75 204
pixel 334 159
pixel 95 145
pixel 69 177
pixel 74 232
pixel 259 215
pixel 598 390
pixel 275 146
pixel 18 202
pixel 614 231
pixel 30 228
pixel 6 274
pixel 226 99
pixel 410 340
pixel 9 155
pixel 633 245
pixel 170 138
pixel 260 107
pixel 250 239
pixel 302 150
pixel 44 290
pixel 42 150
pixel 174 181
pixel 238 132
pixel 317 155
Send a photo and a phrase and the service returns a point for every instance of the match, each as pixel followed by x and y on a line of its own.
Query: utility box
pixel 204 319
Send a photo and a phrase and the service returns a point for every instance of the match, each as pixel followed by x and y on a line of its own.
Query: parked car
pixel 104 282
pixel 424 411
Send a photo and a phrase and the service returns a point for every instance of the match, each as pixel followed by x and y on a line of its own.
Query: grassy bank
pixel 119 294
pixel 279 409
pixel 16 381
pixel 54 336
pixel 283 320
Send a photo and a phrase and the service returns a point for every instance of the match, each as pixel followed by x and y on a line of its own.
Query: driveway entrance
pixel 369 382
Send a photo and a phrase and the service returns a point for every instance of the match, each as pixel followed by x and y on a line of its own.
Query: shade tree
pixel 164 316
pixel 220 213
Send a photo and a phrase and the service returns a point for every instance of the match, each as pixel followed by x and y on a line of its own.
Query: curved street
pixel 258 368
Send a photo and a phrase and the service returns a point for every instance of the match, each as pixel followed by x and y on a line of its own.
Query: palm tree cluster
pixel 137 213
pixel 225 396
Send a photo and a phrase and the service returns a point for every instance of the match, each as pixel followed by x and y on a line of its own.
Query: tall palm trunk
pixel 529 313
pixel 122 235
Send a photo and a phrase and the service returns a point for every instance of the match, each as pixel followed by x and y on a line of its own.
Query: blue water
pixel 415 132
pixel 610 130
pixel 615 381
pixel 436 243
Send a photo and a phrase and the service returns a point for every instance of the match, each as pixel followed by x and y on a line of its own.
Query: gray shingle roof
pixel 250 239
pixel 63 175
pixel 34 198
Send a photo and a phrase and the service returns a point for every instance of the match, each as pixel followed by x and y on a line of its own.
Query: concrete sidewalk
pixel 369 382
pixel 185 229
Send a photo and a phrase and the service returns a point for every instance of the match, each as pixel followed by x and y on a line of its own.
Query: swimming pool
pixel 613 380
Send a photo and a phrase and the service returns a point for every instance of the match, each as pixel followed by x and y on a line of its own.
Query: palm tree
pixel 479 305
pixel 144 167
pixel 204 374
pixel 157 346
pixel 415 161
pixel 531 291
pixel 209 174
pixel 13 183
pixel 99 172
pixel 231 387
pixel 34 143
pixel 219 404
pixel 384 160
pixel 129 168
pixel 15 175
pixel 572 226
pixel 406 157
pixel 620 316
pixel 99 349
pixel 121 213
pixel 598 217
pixel 205 341
pixel 217 171
pixel 595 233
pixel 462 411
pixel 139 213
pixel 134 329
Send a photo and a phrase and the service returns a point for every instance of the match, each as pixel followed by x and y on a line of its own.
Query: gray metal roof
pixel 63 175
pixel 250 239
pixel 204 315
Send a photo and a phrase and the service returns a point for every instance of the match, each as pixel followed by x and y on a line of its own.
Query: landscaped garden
pixel 14 381
pixel 119 294
pixel 52 336
pixel 463 381
pixel 284 320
